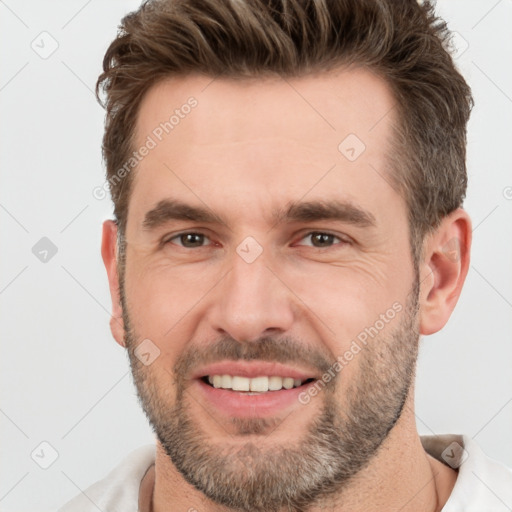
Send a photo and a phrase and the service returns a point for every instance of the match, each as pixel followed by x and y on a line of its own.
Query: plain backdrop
pixel 65 382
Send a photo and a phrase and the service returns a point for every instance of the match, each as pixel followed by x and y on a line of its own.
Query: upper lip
pixel 253 369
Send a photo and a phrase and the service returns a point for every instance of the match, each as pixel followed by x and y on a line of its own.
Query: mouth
pixel 255 385
pixel 252 389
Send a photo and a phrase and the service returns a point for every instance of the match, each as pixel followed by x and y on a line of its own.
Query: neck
pixel 402 476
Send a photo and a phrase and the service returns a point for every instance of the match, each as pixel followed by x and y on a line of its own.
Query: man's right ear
pixel 109 255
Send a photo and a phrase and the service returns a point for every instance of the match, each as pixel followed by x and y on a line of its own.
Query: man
pixel 288 179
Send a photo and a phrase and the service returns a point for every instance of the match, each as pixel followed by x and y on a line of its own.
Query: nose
pixel 251 301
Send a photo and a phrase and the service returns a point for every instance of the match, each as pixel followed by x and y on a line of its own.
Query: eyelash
pixel 308 234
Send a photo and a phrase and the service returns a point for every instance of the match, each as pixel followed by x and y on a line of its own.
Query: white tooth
pixel 287 383
pixel 217 381
pixel 226 382
pixel 259 384
pixel 240 383
pixel 296 383
pixel 275 383
pixel 210 379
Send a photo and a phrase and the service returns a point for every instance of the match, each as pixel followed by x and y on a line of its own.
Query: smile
pixel 261 384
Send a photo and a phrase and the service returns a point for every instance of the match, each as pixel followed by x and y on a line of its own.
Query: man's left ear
pixel 443 270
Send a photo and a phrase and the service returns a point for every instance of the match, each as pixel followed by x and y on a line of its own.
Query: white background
pixel 63 378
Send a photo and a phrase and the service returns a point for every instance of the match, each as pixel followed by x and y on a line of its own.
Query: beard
pixel 339 442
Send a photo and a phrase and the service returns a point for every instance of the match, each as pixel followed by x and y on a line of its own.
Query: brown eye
pixel 189 240
pixel 321 239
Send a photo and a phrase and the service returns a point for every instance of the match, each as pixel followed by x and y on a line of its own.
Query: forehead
pixel 235 142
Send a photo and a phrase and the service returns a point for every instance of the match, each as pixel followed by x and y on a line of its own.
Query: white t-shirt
pixel 483 484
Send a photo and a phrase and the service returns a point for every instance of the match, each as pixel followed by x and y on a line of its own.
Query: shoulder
pixel 119 490
pixel 482 482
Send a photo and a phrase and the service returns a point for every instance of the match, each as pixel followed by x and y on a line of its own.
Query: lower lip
pixel 240 404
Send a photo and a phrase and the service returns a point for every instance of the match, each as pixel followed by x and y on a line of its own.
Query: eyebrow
pixel 309 211
pixel 169 209
pixel 312 211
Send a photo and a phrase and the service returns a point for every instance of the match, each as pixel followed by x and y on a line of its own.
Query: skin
pixel 250 147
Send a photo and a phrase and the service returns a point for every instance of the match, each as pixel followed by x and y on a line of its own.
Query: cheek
pixel 162 293
pixel 347 299
pixel 164 304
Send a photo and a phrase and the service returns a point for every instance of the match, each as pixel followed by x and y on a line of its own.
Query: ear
pixel 443 270
pixel 109 255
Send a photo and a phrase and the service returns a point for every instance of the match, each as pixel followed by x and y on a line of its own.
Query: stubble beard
pixel 339 442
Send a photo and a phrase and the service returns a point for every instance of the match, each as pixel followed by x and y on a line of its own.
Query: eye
pixel 321 239
pixel 188 240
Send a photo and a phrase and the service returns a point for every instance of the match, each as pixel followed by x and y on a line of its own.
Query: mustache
pixel 267 348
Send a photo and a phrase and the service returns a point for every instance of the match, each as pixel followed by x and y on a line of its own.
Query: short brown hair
pixel 402 41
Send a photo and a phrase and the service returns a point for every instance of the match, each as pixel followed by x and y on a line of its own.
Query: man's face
pixel 300 258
